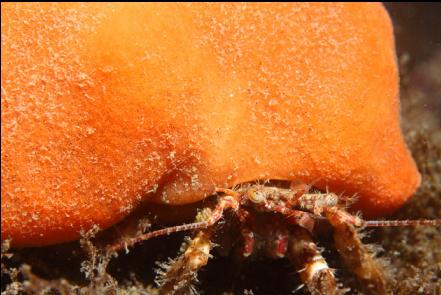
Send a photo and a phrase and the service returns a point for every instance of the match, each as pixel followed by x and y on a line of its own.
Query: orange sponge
pixel 105 106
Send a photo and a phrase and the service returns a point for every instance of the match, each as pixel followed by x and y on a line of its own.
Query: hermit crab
pixel 109 106
pixel 282 221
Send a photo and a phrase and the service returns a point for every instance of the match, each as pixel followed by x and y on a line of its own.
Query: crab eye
pixel 256 196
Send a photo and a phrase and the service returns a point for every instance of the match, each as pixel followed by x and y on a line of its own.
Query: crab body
pixel 274 222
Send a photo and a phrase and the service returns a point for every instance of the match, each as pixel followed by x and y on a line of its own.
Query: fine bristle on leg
pixel 179 275
pixel 355 255
pixel 314 272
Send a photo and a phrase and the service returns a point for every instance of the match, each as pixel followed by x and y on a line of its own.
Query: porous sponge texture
pixel 107 106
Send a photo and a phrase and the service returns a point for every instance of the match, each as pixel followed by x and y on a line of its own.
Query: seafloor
pixel 413 255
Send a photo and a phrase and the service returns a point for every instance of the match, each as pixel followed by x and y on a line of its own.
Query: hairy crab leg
pixel 314 272
pixel 355 255
pixel 178 275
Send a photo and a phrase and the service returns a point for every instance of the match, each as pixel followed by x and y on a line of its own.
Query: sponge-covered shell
pixel 107 106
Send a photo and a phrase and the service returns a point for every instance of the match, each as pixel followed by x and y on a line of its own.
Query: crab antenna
pixel 157 233
pixel 424 222
pixel 225 203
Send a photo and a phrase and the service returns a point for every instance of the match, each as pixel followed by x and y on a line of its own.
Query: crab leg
pixel 314 271
pixel 246 233
pixel 178 276
pixel 356 255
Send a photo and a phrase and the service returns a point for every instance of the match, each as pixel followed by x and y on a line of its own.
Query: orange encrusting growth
pixel 107 106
